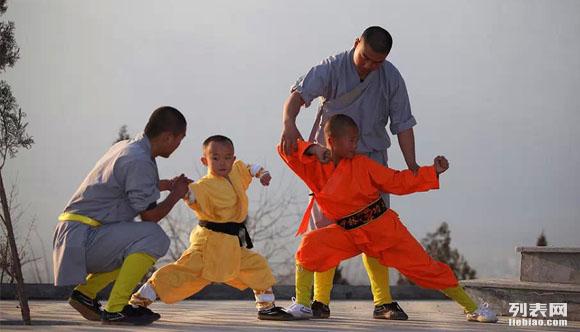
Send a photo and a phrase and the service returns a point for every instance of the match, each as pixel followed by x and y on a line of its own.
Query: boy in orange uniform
pixel 347 188
pixel 219 245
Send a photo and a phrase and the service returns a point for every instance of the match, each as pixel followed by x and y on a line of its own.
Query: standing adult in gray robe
pixel 363 85
pixel 97 239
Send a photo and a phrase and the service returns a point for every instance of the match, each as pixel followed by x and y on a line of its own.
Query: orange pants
pixel 386 239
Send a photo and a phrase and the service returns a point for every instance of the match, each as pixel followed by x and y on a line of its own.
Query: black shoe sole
pixel 320 315
pixel 278 317
pixel 390 318
pixel 129 323
pixel 86 312
pixel 323 316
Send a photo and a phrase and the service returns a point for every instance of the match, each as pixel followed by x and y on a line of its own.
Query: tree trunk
pixel 15 258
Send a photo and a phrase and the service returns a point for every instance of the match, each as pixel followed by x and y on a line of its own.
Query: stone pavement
pixel 232 315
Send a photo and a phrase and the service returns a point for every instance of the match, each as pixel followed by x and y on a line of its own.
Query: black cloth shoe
pixel 147 311
pixel 130 316
pixel 89 308
pixel 319 310
pixel 391 311
pixel 274 313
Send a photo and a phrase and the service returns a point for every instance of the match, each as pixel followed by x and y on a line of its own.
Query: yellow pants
pixel 305 281
pixel 211 257
pixel 134 267
pixel 378 276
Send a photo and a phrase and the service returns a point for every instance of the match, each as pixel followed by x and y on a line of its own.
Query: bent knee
pixel 156 241
pixel 162 242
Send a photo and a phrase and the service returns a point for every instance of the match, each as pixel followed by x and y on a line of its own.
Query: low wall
pixel 223 292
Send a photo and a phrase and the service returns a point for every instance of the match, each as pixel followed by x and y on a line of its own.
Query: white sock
pixel 264 295
pixel 147 292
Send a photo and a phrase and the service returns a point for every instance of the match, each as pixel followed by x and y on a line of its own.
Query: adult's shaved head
pixel 378 39
pixel 165 118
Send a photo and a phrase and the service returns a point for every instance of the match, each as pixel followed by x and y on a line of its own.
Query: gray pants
pixel 79 249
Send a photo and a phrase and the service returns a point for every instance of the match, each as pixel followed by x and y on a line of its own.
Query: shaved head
pixel 218 139
pixel 165 118
pixel 337 125
pixel 378 39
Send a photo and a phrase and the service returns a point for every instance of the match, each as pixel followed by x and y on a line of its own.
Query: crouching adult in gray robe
pixel 97 239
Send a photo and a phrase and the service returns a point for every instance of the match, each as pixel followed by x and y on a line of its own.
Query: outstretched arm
pixel 402 182
pixel 257 171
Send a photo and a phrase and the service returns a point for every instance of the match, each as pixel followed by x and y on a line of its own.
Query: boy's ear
pixel 234 158
pixel 203 160
pixel 329 142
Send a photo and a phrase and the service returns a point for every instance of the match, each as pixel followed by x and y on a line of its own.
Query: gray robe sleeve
pixel 141 184
pixel 399 105
pixel 315 83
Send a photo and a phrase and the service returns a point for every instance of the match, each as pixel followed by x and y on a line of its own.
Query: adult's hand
pixel 178 191
pixel 290 136
pixel 181 185
pixel 414 168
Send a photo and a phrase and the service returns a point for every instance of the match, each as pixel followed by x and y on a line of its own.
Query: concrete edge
pixel 223 292
pixel 560 250
pixel 517 284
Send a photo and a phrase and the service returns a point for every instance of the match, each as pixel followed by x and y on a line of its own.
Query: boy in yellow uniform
pixel 219 245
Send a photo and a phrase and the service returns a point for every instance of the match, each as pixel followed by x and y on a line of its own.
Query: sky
pixel 493 85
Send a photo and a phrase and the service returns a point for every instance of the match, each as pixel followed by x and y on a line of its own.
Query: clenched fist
pixel 322 153
pixel 441 164
pixel 265 179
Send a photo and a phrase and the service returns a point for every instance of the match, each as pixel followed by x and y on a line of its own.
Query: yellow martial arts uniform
pixel 214 256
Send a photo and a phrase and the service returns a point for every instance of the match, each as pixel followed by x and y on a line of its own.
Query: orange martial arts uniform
pixel 350 187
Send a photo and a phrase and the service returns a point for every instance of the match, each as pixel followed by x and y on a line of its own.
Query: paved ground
pixel 240 316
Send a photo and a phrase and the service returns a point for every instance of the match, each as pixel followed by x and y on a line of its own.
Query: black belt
pixel 364 216
pixel 232 228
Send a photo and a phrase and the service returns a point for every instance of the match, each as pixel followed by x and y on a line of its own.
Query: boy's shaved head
pixel 218 139
pixel 337 125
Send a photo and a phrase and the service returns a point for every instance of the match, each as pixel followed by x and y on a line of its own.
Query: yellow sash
pixel 66 216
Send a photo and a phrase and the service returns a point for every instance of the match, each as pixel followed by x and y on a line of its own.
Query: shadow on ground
pixel 36 322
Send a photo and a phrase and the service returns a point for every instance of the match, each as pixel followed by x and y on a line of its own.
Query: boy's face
pixel 219 158
pixel 344 145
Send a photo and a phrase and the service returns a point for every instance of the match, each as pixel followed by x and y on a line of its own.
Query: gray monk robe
pixel 123 183
pixel 380 100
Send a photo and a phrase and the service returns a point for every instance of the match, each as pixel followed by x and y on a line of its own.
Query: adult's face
pixel 365 59
pixel 171 142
